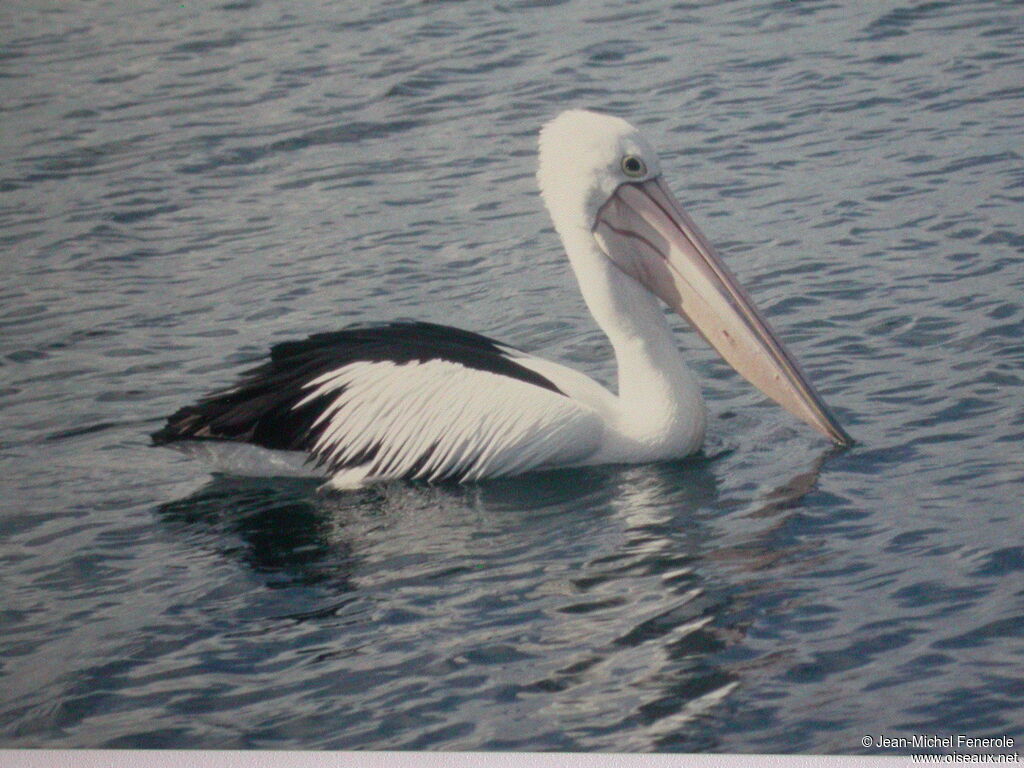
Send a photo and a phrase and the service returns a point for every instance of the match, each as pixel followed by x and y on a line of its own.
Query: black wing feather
pixel 261 407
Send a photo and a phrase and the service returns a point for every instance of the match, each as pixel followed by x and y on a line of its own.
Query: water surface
pixel 183 185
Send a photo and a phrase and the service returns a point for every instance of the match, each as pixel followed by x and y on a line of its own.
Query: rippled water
pixel 186 184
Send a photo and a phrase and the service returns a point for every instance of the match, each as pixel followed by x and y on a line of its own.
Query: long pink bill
pixel 648 235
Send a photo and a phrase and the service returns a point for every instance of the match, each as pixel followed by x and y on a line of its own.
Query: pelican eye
pixel 633 166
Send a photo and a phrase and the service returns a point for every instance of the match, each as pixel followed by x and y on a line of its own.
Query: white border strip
pixel 104 758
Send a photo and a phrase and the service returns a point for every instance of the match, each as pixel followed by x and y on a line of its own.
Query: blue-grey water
pixel 184 184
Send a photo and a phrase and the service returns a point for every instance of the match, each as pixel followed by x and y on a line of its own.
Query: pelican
pixel 429 402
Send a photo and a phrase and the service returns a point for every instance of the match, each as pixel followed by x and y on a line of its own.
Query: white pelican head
pixel 602 183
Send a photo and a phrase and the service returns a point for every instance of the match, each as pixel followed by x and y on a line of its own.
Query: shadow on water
pixel 275 526
pixel 293 534
pixel 599 589
pixel 778 536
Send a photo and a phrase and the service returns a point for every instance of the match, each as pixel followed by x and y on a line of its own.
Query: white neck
pixel 660 408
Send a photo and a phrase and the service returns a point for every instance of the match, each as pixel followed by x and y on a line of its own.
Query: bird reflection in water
pixel 576 580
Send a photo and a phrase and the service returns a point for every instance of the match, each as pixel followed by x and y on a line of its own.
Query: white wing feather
pixel 439 419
